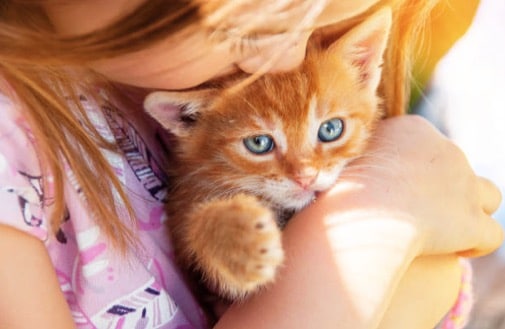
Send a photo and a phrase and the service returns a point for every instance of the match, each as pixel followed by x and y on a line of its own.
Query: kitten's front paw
pixel 237 245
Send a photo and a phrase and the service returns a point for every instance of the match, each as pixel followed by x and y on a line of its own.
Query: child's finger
pixel 490 195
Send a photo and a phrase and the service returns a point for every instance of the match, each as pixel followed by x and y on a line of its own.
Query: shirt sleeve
pixel 23 201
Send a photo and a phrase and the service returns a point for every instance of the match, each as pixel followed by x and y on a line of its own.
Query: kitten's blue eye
pixel 331 130
pixel 259 144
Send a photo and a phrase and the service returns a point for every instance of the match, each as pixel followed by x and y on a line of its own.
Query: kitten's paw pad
pixel 243 249
pixel 261 250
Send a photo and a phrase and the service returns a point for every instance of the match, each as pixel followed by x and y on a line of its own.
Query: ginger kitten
pixel 246 158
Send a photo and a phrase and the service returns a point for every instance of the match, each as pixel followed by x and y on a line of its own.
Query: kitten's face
pixel 285 136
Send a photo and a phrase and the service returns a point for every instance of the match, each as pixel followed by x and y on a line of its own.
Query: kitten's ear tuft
pixel 175 110
pixel 363 47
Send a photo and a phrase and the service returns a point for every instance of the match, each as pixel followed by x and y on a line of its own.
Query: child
pixel 81 237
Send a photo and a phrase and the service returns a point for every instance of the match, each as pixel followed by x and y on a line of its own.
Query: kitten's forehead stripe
pixel 274 126
pixel 278 133
pixel 313 121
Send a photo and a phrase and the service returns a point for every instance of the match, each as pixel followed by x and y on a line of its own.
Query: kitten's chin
pixel 298 199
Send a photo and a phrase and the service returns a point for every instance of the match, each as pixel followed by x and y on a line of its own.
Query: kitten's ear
pixel 363 47
pixel 175 110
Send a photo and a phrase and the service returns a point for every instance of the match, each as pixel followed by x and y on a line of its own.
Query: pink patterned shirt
pixel 102 288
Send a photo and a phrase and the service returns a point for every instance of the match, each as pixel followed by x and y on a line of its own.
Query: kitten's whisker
pixel 378 154
pixel 378 159
pixel 366 177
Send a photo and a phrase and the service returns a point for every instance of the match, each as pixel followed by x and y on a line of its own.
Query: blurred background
pixel 465 97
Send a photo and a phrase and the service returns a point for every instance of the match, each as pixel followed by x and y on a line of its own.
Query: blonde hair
pixel 42 69
pixel 409 22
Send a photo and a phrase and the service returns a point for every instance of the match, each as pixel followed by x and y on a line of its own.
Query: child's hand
pixel 413 170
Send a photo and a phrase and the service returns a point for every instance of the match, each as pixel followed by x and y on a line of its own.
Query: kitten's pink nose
pixel 306 177
pixel 305 182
